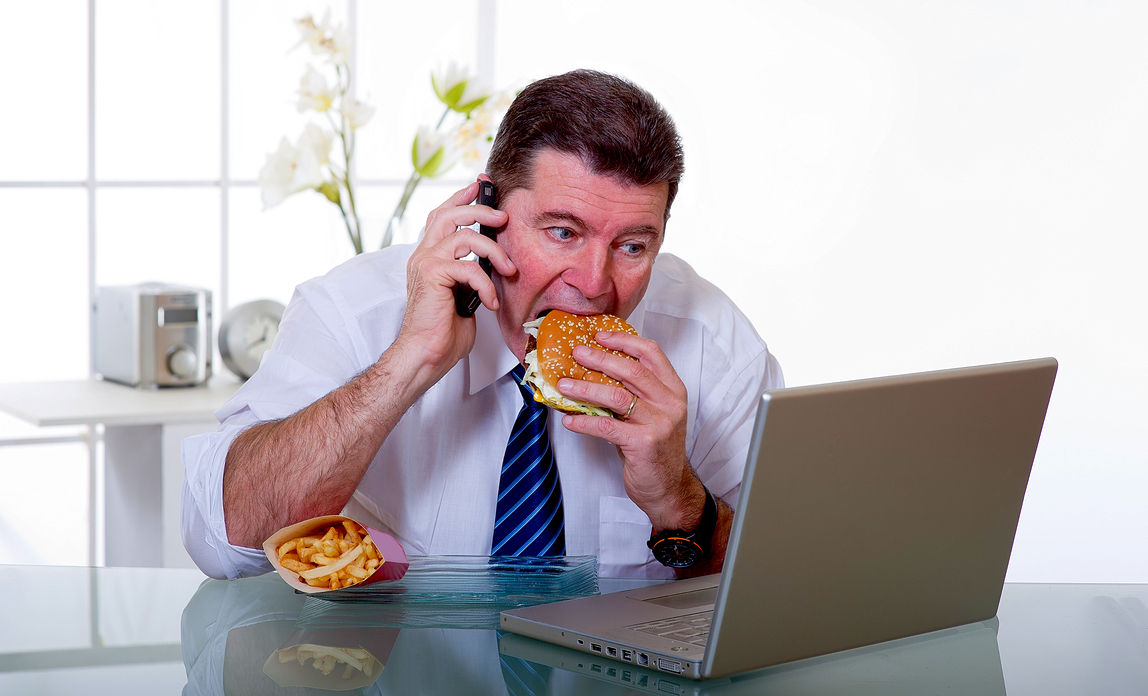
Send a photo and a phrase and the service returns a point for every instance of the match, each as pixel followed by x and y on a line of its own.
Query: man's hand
pixel 652 439
pixel 433 336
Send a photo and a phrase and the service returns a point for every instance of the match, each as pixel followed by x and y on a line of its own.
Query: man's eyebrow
pixel 549 216
pixel 552 216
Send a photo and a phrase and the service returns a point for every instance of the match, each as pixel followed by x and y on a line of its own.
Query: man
pixel 380 401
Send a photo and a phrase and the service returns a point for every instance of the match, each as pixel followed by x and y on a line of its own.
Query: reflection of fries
pixel 340 557
pixel 325 658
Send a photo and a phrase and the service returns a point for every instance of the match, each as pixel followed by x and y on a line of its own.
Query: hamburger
pixel 549 347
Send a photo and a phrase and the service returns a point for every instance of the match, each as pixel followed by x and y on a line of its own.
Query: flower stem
pixel 401 208
pixel 347 141
pixel 356 240
pixel 357 236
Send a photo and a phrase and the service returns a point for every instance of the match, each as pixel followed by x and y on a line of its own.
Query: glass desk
pixel 171 631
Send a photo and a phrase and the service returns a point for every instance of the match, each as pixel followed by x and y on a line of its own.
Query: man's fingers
pixel 435 230
pixel 469 273
pixel 647 351
pixel 457 212
pixel 465 241
pixel 617 399
pixel 447 273
pixel 649 375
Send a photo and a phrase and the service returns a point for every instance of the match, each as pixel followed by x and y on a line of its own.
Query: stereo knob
pixel 182 362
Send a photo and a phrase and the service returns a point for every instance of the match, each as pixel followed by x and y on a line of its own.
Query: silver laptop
pixel 961 660
pixel 870 510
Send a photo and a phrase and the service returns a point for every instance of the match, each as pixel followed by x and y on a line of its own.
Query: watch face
pixel 677 552
pixel 246 333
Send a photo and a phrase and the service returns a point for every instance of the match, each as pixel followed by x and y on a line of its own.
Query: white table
pixel 167 631
pixel 143 474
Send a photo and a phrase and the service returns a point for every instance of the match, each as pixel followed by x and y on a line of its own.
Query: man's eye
pixel 633 249
pixel 561 233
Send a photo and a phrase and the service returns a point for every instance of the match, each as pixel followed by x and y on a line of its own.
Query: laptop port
pixel 670 665
pixel 596 647
pixel 611 651
pixel 643 659
pixel 627 655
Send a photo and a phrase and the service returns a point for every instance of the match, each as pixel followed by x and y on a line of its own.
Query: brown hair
pixel 616 127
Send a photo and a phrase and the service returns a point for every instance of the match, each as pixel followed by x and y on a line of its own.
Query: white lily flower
pixel 318 142
pixel 309 32
pixel 457 89
pixel 431 153
pixel 356 112
pixel 324 38
pixel 321 157
pixel 474 136
pixel 314 92
pixel 337 45
pixel 288 170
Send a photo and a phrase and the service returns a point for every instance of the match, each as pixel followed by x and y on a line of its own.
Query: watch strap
pixel 700 538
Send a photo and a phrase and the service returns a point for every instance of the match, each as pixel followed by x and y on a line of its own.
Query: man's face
pixel 582 242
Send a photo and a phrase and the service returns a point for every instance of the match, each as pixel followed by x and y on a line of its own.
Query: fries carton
pixel 391 566
pixel 331 659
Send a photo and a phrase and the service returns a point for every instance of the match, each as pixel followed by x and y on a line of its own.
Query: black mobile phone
pixel 466 299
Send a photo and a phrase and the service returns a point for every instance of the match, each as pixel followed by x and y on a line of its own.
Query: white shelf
pixel 142 476
pixel 92 401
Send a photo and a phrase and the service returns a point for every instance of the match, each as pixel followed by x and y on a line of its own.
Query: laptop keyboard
pixel 691 628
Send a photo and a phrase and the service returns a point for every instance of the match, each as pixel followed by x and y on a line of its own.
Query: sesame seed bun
pixel 549 356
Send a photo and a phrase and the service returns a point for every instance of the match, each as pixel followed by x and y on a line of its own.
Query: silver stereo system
pixel 153 334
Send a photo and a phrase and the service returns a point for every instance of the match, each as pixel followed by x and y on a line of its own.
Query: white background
pixel 883 187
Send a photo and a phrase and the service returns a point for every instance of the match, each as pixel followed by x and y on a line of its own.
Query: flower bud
pixel 431 153
pixel 457 89
pixel 330 190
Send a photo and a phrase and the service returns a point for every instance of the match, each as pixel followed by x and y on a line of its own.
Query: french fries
pixel 326 658
pixel 341 556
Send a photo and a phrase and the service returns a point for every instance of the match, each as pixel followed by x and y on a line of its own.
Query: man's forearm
pixel 310 463
pixel 690 511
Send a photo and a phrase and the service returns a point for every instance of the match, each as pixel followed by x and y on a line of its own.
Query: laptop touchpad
pixel 686 600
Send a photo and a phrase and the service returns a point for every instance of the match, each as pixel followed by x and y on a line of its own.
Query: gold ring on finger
pixel 633 403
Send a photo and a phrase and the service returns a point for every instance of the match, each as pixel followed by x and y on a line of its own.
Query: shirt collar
pixel 489 359
pixel 637 317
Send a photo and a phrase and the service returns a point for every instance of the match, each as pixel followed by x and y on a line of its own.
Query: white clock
pixel 246 333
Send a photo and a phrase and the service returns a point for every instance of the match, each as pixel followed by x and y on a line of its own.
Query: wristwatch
pixel 678 549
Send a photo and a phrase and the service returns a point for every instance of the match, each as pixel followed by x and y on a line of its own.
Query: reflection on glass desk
pixel 170 631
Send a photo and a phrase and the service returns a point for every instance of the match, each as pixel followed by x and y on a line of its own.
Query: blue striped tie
pixel 528 518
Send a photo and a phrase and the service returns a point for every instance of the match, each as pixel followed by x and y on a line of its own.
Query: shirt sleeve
pixel 203 526
pixel 726 416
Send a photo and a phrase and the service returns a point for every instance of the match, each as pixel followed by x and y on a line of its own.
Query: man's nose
pixel 590 272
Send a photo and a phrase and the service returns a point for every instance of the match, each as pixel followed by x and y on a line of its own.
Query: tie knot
pixel 518 374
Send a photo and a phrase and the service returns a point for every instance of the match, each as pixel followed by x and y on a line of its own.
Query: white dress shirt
pixel 433 484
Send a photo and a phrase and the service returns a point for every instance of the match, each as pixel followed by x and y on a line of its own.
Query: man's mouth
pixel 581 311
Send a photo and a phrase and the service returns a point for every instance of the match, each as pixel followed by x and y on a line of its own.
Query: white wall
pixel 895 186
